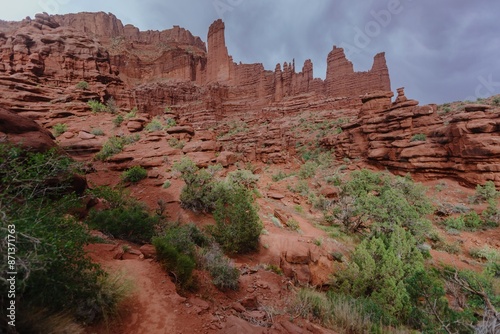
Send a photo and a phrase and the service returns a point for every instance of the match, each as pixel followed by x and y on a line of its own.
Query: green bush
pixel 97 132
pixel 491 215
pixel 419 137
pixel 118 120
pixel 456 223
pixel 378 270
pixel 111 106
pixel 176 250
pixel 278 176
pixel 243 177
pixel 308 170
pixel 115 145
pixel 53 270
pixel 133 223
pixel 84 85
pixel 166 184
pixel 154 125
pixel 134 174
pixel 132 113
pixel 496 101
pixel 224 274
pixel 59 129
pixel 96 106
pixel 384 200
pixel 198 193
pixel 176 143
pixel 238 225
pixel 485 193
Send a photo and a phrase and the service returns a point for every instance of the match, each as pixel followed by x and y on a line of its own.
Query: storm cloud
pixel 441 51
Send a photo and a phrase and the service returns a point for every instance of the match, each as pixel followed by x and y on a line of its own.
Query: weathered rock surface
pixel 405 137
pixel 220 106
pixel 20 130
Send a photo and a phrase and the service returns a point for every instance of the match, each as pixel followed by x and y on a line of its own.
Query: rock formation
pixel 247 107
pixel 407 138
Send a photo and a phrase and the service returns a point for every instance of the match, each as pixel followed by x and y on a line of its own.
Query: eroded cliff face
pixel 249 113
pixel 407 138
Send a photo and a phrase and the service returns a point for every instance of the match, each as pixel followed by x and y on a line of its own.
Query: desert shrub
pixel 244 177
pixel 113 197
pixel 308 169
pixel 84 85
pixel 166 184
pixel 154 125
pixel 96 106
pixel 118 120
pixel 292 224
pixel 97 132
pixel 485 193
pixel 132 113
pixel 238 225
pixel 175 250
pixel 59 129
pixel 53 269
pixel 491 215
pixel 134 174
pixel 111 106
pixel 170 122
pixel 198 193
pixel 496 101
pixel 224 274
pixel 456 223
pixel 278 176
pixel 419 137
pixel 133 222
pixel 430 311
pixel 115 145
pixel 378 269
pixel 337 311
pixel 176 143
pixel 300 187
pixel 125 218
pixel 383 200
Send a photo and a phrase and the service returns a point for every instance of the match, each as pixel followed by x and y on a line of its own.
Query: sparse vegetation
pixel 96 106
pixel 278 176
pixel 118 120
pixel 419 137
pixel 97 132
pixel 83 85
pixel 59 129
pixel 154 125
pixel 238 225
pixel 132 113
pixel 124 217
pixel 134 174
pixel 176 143
pixel 224 274
pixel 383 200
pixel 53 269
pixel 166 184
pixel 115 145
pixel 485 193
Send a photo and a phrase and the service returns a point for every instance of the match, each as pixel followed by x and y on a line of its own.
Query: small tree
pixel 238 225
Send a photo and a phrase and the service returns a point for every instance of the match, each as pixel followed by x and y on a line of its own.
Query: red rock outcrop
pixel 20 130
pixel 407 138
pixel 247 107
pixel 341 80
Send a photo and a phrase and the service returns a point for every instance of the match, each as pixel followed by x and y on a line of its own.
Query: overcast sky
pixel 440 50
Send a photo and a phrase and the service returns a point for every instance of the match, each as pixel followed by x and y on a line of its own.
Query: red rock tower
pixel 219 63
pixel 341 80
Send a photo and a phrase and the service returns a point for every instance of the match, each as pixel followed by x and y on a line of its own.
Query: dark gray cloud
pixel 440 51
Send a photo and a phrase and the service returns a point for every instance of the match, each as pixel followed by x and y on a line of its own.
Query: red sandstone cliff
pixel 42 60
